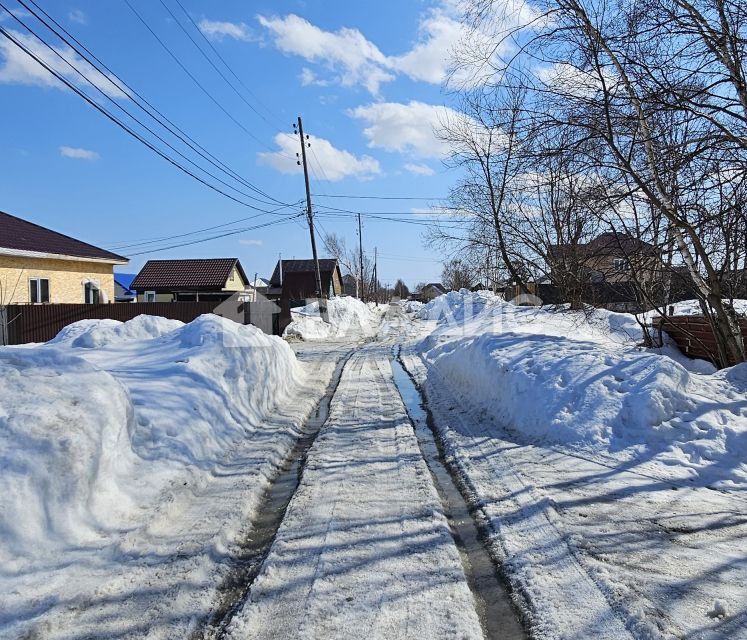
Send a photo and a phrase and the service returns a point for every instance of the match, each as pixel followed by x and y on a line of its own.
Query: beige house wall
pixel 160 297
pixel 237 284
pixel 647 269
pixel 65 278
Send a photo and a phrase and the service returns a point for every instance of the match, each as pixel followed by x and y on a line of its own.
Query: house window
pixel 150 296
pixel 621 264
pixel 230 278
pixel 38 290
pixel 91 293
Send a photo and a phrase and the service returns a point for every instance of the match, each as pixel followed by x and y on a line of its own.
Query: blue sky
pixel 366 77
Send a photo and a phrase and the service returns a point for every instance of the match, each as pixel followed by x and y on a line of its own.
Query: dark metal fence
pixel 694 335
pixel 21 324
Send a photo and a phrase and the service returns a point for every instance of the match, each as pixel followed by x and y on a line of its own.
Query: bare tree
pixel 457 275
pixel 400 289
pixel 350 261
pixel 642 108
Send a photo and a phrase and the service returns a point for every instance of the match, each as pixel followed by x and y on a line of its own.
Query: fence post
pixel 3 325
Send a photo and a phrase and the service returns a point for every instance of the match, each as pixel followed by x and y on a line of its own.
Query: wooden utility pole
pixel 376 275
pixel 360 255
pixel 309 211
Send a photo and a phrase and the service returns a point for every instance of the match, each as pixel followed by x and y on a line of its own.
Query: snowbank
pixel 89 438
pixel 456 306
pixel 92 334
pixel 580 379
pixel 412 306
pixel 345 317
pixel 692 307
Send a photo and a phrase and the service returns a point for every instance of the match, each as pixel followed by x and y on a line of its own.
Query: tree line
pixel 584 124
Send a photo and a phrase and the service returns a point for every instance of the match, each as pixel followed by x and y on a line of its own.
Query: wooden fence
pixel 20 324
pixel 693 335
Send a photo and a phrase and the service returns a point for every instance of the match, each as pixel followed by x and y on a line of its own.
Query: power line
pixel 222 235
pixel 423 223
pixel 432 212
pixel 137 98
pixel 147 241
pixel 113 118
pixel 195 80
pixel 220 57
pixel 354 197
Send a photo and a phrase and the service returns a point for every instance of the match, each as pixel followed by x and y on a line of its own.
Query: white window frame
pixel 149 296
pixel 36 281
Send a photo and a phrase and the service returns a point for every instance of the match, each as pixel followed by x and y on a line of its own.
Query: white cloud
pixel 419 169
pixel 250 242
pixel 407 128
pixel 357 61
pixel 570 80
pixel 429 58
pixel 77 16
pixel 218 30
pixel 308 77
pixel 346 52
pixel 76 153
pixel 18 13
pixel 337 163
pixel 18 67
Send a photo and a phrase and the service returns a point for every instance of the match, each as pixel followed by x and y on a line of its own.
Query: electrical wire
pixel 204 55
pixel 148 241
pixel 215 237
pixel 118 122
pixel 137 98
pixel 355 197
pixel 194 79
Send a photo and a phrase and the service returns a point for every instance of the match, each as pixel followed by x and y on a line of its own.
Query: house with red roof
pixel 39 266
pixel 190 280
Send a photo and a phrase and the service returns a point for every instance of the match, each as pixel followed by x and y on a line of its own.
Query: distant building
pixel 123 291
pixel 192 280
pixel 611 257
pixel 430 291
pixel 350 285
pixel 38 266
pixel 295 280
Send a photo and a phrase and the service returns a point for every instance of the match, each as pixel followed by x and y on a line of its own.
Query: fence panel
pixel 694 335
pixel 39 323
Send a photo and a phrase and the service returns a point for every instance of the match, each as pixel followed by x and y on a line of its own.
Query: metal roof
pixel 20 235
pixel 186 275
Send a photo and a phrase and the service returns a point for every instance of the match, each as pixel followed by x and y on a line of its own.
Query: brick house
pixel 38 265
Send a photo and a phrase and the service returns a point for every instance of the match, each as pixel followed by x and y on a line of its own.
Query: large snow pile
pixel 412 306
pixel 456 306
pixel 90 437
pixel 91 334
pixel 581 380
pixel 345 317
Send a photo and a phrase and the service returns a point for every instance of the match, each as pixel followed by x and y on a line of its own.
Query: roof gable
pixel 326 265
pixel 20 235
pixel 201 274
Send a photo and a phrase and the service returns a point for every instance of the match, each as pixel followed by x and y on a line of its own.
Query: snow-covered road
pixel 364 550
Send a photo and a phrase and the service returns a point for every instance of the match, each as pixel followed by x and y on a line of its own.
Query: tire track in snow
pixel 388 567
pixel 562 599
